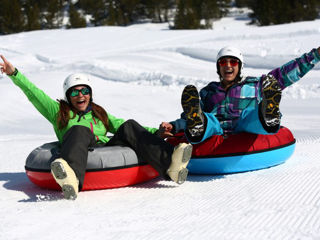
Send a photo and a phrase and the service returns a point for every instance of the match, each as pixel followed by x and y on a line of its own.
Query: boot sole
pixel 69 192
pixel 272 95
pixel 187 152
pixel 183 173
pixel 191 106
pixel 179 173
pixel 182 177
pixel 59 173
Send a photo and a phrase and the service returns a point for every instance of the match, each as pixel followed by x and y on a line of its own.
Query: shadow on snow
pixel 18 181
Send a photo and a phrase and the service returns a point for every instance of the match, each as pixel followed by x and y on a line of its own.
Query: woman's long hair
pixel 64 114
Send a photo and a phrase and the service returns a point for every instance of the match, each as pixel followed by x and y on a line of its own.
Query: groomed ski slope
pixel 139 72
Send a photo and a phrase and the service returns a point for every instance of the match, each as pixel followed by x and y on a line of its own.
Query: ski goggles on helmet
pixel 75 92
pixel 224 62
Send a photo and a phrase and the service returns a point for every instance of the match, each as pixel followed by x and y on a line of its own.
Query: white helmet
pixel 75 80
pixel 230 52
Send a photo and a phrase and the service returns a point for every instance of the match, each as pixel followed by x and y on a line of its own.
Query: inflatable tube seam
pixel 90 170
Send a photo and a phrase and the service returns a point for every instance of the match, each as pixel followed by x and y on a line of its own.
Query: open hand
pixel 6 67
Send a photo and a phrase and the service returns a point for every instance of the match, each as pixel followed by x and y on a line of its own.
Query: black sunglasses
pixel 75 92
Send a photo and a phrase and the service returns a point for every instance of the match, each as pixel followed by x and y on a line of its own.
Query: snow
pixel 139 72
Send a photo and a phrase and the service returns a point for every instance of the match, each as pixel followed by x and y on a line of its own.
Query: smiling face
pixel 81 101
pixel 229 69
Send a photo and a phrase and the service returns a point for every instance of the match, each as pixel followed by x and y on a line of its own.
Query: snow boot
pixel 190 102
pixel 271 96
pixel 66 178
pixel 180 158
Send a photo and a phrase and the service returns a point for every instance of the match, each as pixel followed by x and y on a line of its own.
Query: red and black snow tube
pixel 239 152
pixel 108 167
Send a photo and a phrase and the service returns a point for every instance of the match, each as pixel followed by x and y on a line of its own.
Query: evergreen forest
pixel 27 15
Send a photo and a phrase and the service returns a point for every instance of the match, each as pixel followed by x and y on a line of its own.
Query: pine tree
pixel 186 16
pixel 11 18
pixel 158 10
pixel 116 15
pixel 209 11
pixel 97 9
pixel 54 14
pixel 262 12
pixel 131 9
pixel 32 13
pixel 2 11
pixel 194 14
pixel 306 10
pixel 112 18
pixel 75 18
pixel 124 12
pixel 268 12
pixel 242 3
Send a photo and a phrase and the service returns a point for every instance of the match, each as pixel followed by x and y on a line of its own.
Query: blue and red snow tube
pixel 239 152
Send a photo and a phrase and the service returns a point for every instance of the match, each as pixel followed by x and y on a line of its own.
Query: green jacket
pixel 49 108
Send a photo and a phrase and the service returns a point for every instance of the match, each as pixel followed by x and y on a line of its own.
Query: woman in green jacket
pixel 80 124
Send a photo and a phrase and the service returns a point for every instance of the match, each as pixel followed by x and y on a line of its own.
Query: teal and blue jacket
pixel 227 106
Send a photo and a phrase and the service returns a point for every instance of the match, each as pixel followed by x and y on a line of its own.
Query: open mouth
pixel 80 103
pixel 228 72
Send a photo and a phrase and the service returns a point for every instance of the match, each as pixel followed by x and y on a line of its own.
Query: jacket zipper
pixel 91 126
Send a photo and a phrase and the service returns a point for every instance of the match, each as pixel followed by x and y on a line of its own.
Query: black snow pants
pixel 148 147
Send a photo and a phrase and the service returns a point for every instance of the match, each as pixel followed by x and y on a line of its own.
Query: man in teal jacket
pixel 79 124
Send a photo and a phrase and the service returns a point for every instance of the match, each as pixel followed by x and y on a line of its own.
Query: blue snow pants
pixel 249 121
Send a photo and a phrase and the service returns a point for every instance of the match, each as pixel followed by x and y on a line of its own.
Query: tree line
pixel 270 12
pixel 28 15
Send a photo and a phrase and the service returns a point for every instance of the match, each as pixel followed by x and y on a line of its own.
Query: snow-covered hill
pixel 139 72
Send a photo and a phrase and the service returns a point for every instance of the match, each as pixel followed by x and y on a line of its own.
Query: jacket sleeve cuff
pixel 317 55
pixel 15 72
pixel 17 78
